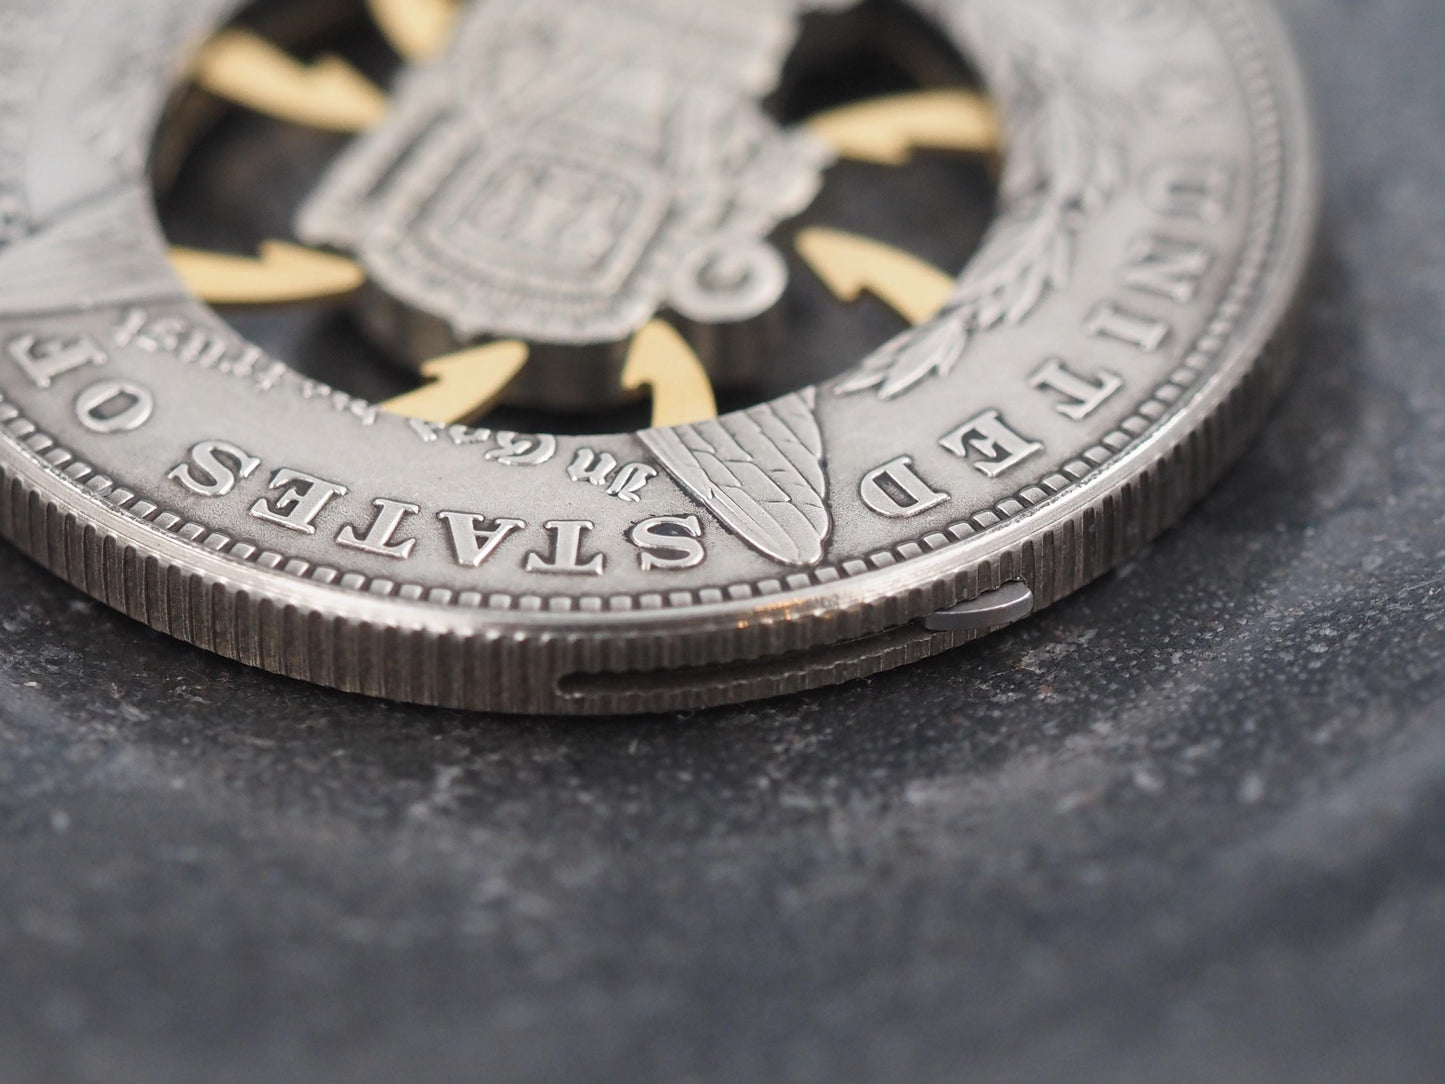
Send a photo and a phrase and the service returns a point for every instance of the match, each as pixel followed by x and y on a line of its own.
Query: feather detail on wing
pixel 1067 161
pixel 760 472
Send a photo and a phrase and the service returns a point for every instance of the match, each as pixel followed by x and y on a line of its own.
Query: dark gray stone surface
pixel 1189 826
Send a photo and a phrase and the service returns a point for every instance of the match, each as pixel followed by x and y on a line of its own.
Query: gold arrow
pixel 463 386
pixel 329 94
pixel 887 131
pixel 417 29
pixel 850 265
pixel 662 360
pixel 283 274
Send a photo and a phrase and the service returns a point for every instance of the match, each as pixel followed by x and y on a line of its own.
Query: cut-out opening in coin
pixel 907 169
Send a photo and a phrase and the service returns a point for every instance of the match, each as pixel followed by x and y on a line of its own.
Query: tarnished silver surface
pixel 1104 356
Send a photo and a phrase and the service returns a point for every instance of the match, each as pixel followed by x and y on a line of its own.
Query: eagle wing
pixel 760 472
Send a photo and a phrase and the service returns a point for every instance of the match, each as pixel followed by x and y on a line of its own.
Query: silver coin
pixel 1100 361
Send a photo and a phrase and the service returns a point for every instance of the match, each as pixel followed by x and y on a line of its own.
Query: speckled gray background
pixel 1189 826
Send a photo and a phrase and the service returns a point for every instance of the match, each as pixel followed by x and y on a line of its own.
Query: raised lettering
pixel 1184 97
pixel 1194 188
pixel 669 543
pixel 303 498
pixel 1167 268
pixel 46 361
pixel 566 558
pixel 989 443
pixel 472 540
pixel 215 468
pixel 1083 396
pixel 631 481
pixel 896 491
pixel 602 471
pixel 518 450
pixel 380 539
pixel 114 406
pixel 1109 321
pixel 588 466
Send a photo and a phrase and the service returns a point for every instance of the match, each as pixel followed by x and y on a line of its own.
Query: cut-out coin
pixel 572 201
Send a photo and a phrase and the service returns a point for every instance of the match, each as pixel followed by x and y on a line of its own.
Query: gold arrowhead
pixel 463 386
pixel 662 360
pixel 850 265
pixel 887 131
pixel 282 274
pixel 329 94
pixel 417 29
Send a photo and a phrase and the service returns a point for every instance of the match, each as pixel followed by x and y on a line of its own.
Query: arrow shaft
pixel 283 275
pixel 887 131
pixel 417 29
pixel 241 67
pixel 851 265
pixel 463 386
pixel 661 359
